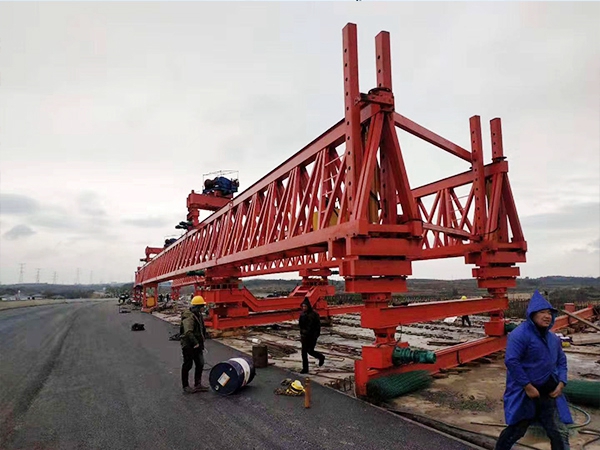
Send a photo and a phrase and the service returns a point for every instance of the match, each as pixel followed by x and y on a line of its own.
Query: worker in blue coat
pixel 536 373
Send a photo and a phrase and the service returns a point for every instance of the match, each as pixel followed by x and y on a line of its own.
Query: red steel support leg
pixel 149 301
pixel 379 355
pixel 138 294
pixel 478 175
pixel 353 142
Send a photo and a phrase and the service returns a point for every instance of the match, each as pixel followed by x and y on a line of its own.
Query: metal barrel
pixel 260 356
pixel 230 376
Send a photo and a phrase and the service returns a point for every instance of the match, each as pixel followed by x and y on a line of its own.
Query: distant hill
pixel 581 288
pixel 46 290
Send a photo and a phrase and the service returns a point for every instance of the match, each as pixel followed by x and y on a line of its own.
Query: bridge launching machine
pixel 344 202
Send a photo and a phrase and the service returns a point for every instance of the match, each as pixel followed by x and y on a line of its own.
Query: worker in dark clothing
pixel 192 332
pixel 465 319
pixel 536 373
pixel 310 329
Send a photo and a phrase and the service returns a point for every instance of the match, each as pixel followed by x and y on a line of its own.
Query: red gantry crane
pixel 344 201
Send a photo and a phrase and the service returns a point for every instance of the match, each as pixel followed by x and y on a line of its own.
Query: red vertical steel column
pixel 384 61
pixel 496 229
pixel 383 64
pixel 478 176
pixel 354 145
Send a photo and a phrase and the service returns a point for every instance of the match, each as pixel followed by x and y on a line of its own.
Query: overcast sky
pixel 110 114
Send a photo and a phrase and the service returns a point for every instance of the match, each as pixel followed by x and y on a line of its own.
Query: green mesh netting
pixel 407 355
pixel 386 388
pixel 581 392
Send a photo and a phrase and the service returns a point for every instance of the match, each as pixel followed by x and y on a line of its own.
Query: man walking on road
pixel 310 330
pixel 536 373
pixel 192 332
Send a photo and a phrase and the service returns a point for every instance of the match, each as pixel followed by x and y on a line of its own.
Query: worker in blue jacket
pixel 536 373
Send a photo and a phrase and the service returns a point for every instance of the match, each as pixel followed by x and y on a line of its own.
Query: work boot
pixel 321 361
pixel 188 390
pixel 304 371
pixel 200 388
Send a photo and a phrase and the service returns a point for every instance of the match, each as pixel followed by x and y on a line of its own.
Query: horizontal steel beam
pixel 275 317
pixel 426 312
pixel 421 132
pixel 458 180
pixel 566 321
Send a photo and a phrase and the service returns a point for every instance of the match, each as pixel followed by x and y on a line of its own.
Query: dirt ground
pixel 469 397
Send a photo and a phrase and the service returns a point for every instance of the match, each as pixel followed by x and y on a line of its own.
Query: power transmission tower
pixel 37 275
pixel 21 272
pixel 54 278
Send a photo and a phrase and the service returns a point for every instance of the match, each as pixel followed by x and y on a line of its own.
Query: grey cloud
pixel 571 218
pixel 88 235
pixel 88 219
pixel 149 222
pixel 89 204
pixel 18 232
pixel 591 248
pixel 18 204
pixel 55 218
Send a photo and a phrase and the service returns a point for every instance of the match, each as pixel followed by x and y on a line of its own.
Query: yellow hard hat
pixel 198 300
pixel 464 297
pixel 297 386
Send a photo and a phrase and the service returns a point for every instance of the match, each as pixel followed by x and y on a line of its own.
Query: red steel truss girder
pixel 187 281
pixel 345 201
pixel 182 253
pixel 288 220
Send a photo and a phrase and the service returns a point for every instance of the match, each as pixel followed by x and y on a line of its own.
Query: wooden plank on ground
pixel 443 342
pixel 582 351
pixel 587 322
pixel 585 339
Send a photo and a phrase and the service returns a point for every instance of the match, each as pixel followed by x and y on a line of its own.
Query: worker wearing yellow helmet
pixel 465 318
pixel 192 333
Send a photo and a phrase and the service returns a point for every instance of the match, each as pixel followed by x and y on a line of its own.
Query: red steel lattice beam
pixel 345 201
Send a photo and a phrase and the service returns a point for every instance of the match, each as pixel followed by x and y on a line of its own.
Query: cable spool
pixel 230 376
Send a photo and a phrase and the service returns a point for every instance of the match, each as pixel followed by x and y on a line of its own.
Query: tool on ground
pixel 307 392
pixel 291 388
pixel 230 376
pixel 137 327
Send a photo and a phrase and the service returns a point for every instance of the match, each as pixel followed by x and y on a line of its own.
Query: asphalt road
pixel 74 376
